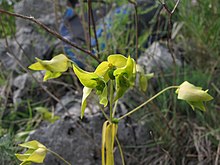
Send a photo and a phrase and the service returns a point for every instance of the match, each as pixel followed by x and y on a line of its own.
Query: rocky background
pixel 76 140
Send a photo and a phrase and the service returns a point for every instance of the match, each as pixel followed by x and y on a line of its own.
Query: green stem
pixel 111 99
pixel 146 102
pixel 103 112
pixel 58 156
pixel 120 150
pixel 114 109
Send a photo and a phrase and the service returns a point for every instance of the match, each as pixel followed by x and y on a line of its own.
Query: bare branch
pixel 177 3
pixel 32 19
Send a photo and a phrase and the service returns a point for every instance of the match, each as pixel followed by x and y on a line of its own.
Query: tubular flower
pixel 193 95
pixel 36 153
pixel 116 66
pixel 53 67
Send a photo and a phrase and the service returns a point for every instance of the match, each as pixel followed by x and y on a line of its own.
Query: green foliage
pixel 201 29
pixel 7 27
pixel 7 150
pixel 46 115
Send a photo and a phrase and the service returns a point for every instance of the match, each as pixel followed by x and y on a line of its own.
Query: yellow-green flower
pixel 124 77
pixel 193 95
pixel 54 67
pixel 117 66
pixel 36 153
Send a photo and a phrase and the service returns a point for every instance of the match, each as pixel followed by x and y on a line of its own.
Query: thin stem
pixel 58 156
pixel 111 99
pixel 89 23
pixel 120 150
pixel 106 116
pixel 177 3
pixel 114 109
pixel 136 28
pixel 94 29
pixel 146 102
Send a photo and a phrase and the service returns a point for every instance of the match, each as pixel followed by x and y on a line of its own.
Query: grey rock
pixel 36 9
pixel 30 40
pixel 7 61
pixel 157 57
pixel 79 141
pixel 22 84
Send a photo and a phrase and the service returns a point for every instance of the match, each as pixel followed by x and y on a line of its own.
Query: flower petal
pixel 198 105
pixel 189 92
pixel 58 63
pixel 128 68
pixel 86 93
pixel 37 66
pixel 117 60
pixel 38 155
pixel 102 68
pixel 103 97
pixel 22 157
pixel 50 75
pixel 88 79
pixel 32 145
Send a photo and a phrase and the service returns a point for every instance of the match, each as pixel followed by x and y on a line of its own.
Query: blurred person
pixel 71 29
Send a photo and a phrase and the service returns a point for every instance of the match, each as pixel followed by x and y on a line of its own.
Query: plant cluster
pixel 110 80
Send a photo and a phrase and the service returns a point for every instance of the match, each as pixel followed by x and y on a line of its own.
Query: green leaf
pixel 88 79
pixel 48 116
pixel 86 93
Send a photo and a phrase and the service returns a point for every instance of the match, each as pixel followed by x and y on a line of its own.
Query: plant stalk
pixel 146 102
pixel 58 156
pixel 111 100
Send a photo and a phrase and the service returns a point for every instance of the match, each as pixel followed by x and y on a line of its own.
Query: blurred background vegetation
pixel 178 134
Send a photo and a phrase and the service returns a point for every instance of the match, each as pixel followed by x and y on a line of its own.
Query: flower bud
pixel 193 95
